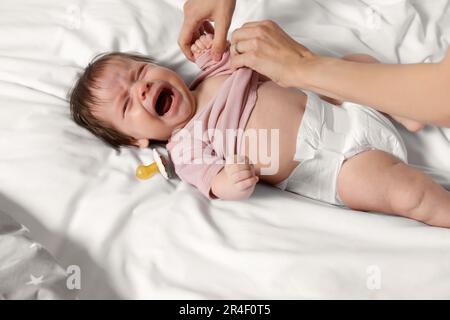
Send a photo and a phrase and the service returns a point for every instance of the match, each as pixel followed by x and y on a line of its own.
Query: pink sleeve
pixel 196 165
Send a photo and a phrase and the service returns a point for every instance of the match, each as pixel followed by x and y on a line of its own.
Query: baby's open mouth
pixel 164 101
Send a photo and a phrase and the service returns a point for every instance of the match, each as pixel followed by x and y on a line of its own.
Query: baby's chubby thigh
pixel 365 181
pixel 372 149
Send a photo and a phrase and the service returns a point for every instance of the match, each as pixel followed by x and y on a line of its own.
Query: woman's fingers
pixel 250 45
pixel 197 14
pixel 256 29
pixel 221 27
pixel 223 14
pixel 248 53
pixel 251 24
pixel 266 48
pixel 246 33
pixel 248 60
pixel 187 37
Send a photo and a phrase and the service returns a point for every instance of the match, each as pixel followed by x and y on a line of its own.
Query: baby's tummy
pixel 271 132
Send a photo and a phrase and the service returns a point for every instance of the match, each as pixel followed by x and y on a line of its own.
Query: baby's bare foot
pixel 202 44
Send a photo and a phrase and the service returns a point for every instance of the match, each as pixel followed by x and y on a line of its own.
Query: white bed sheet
pixel 160 239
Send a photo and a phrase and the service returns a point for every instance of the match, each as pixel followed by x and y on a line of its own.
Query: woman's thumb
pixel 220 38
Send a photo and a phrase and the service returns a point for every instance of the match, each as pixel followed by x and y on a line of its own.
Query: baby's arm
pixel 235 181
pixel 411 125
pixel 202 50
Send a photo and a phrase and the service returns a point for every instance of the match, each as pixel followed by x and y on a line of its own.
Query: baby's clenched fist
pixel 202 44
pixel 241 173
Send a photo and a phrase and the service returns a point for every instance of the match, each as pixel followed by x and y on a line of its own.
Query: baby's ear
pixel 141 143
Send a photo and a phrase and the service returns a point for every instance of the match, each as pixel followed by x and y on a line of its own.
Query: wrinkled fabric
pixel 198 151
pixel 162 239
pixel 27 270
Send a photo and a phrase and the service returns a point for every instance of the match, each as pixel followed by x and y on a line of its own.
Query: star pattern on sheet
pixel 23 228
pixel 35 245
pixel 35 281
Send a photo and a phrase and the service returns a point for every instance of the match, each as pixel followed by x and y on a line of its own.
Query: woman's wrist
pixel 310 72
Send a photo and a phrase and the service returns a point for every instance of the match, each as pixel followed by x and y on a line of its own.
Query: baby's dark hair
pixel 83 99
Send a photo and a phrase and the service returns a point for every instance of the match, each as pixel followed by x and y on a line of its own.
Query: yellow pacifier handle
pixel 144 172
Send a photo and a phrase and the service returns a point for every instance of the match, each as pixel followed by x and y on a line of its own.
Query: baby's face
pixel 143 100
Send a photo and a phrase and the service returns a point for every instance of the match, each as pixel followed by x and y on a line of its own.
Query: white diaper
pixel 330 134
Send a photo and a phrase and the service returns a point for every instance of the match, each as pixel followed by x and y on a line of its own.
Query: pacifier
pixel 145 172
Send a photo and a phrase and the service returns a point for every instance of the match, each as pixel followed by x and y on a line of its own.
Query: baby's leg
pixel 377 181
pixel 411 125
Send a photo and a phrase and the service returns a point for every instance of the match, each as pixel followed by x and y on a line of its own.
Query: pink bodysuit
pixel 199 150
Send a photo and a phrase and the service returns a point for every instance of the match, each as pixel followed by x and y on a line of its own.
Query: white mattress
pixel 160 239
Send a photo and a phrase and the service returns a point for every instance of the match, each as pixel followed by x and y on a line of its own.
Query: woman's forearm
pixel 417 91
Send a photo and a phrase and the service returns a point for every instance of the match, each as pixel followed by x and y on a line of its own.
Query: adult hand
pixel 263 46
pixel 197 14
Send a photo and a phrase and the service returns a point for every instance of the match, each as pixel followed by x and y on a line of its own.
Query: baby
pixel 218 134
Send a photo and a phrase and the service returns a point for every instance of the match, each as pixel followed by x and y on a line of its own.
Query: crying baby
pixel 230 129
